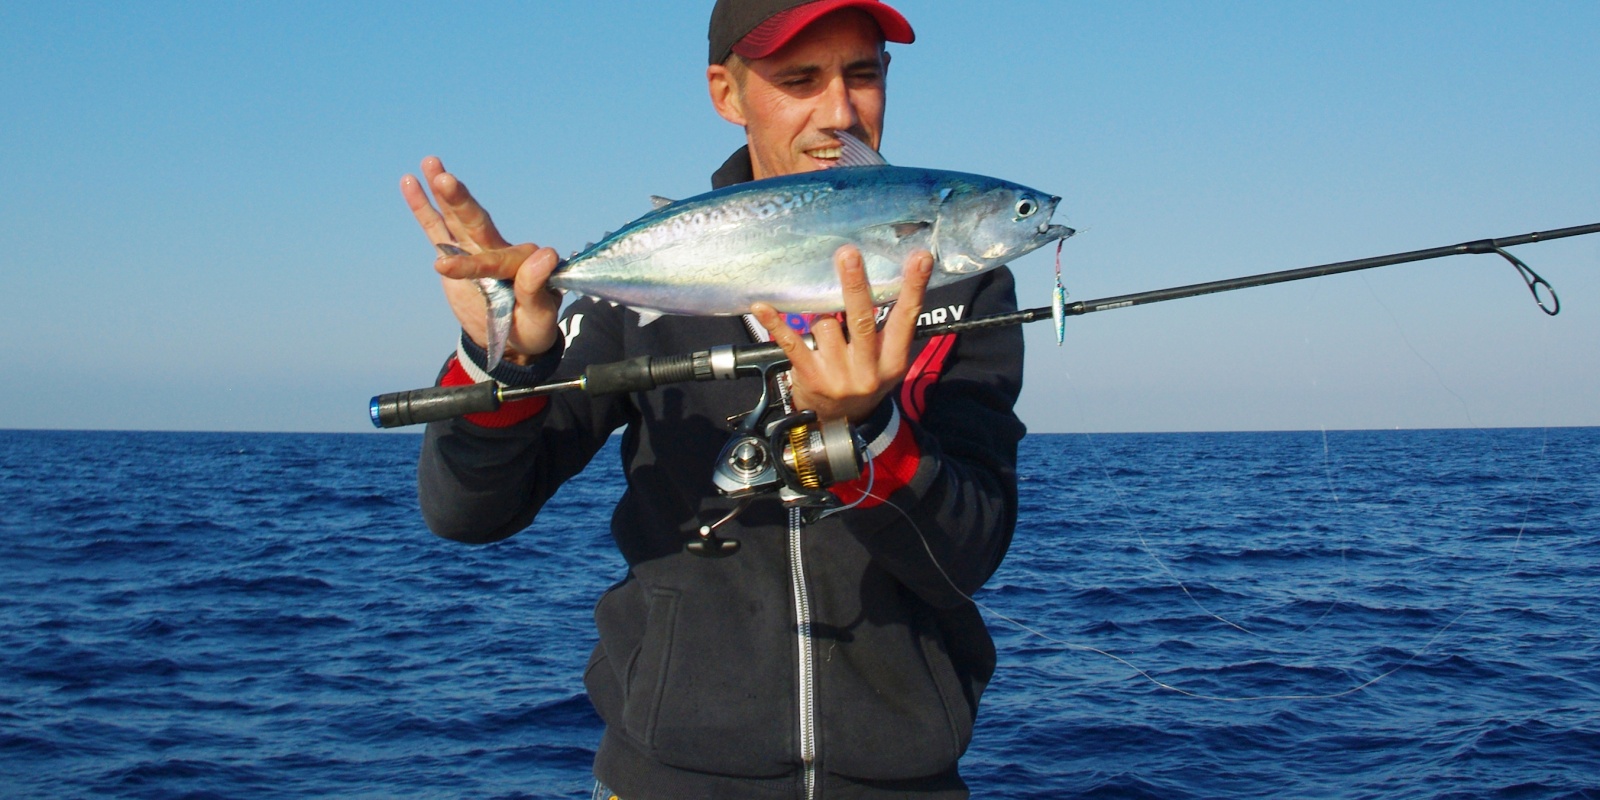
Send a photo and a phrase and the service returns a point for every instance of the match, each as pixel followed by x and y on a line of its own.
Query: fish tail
pixel 499 299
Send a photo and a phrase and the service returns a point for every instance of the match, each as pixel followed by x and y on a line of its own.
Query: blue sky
pixel 203 228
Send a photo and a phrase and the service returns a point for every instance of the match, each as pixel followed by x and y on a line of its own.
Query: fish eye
pixel 1026 207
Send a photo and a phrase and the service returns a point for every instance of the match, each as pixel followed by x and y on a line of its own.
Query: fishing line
pixel 1314 378
pixel 1124 504
pixel 1334 494
pixel 1534 282
pixel 1437 376
pixel 927 548
pixel 1344 546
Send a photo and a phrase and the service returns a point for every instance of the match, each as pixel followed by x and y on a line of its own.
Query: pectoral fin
pixel 903 230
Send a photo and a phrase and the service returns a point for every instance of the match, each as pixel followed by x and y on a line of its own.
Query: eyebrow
pixel 808 70
pixel 797 71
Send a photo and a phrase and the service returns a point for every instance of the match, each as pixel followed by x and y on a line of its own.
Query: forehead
pixel 843 37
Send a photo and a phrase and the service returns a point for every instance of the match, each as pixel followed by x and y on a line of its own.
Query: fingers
pixel 901 328
pixel 417 200
pixel 467 220
pixel 459 218
pixel 480 252
pixel 533 273
pixel 501 263
pixel 860 315
pixel 779 330
pixel 534 316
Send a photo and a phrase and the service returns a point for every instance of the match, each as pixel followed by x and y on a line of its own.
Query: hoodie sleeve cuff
pixel 467 367
pixel 891 457
pixel 472 358
pixel 878 429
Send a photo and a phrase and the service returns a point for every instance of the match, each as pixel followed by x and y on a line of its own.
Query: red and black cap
pixel 758 28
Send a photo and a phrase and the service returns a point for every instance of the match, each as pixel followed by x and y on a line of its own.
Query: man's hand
pixel 849 378
pixel 459 220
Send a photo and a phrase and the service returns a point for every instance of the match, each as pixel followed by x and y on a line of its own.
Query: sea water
pixel 1383 614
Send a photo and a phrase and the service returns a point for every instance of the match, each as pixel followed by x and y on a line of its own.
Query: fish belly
pixel 715 257
pixel 790 273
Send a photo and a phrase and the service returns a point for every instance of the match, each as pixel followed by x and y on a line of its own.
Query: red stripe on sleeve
pixel 924 373
pixel 892 470
pixel 506 415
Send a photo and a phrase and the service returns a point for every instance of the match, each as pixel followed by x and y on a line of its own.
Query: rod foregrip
pixel 643 373
pixel 432 404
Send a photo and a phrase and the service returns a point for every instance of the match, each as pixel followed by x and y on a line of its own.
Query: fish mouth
pixel 1051 233
pixel 1048 232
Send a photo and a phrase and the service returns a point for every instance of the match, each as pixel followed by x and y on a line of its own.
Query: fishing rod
pixel 726 362
pixel 798 456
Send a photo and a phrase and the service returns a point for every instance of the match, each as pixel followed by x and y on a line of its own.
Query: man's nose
pixel 838 112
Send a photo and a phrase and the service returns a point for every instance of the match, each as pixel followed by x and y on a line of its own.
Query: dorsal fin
pixel 857 153
pixel 657 201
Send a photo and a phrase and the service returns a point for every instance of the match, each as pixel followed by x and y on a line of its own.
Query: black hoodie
pixel 836 659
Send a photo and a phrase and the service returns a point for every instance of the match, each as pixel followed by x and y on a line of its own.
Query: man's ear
pixel 725 94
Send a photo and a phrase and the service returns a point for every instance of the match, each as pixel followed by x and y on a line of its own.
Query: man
pixel 836 659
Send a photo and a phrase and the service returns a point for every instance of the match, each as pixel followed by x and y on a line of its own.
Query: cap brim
pixel 769 37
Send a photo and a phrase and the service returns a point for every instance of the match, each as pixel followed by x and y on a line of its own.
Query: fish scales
pixel 774 240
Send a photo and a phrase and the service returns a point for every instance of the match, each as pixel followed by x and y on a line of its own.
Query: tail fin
pixel 499 299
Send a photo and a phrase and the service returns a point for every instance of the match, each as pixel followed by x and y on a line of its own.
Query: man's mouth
pixel 832 153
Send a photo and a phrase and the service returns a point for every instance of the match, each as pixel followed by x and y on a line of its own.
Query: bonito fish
pixel 773 241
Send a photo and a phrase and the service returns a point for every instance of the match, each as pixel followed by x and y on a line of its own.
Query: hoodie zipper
pixel 805 666
pixel 807 672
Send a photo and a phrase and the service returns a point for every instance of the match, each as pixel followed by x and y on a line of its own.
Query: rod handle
pixel 643 373
pixel 432 404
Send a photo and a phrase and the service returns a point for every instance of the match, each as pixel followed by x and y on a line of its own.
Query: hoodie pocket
pixel 647 672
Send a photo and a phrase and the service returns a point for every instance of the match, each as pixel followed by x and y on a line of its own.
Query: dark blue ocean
pixel 1375 614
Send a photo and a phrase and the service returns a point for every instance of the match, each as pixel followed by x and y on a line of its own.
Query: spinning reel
pixel 794 456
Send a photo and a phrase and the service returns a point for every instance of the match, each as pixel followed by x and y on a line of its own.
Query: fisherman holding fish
pixel 834 658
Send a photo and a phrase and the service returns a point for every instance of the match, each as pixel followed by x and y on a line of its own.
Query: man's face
pixel 828 78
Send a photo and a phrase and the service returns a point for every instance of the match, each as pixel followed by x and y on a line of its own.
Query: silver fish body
pixel 773 240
